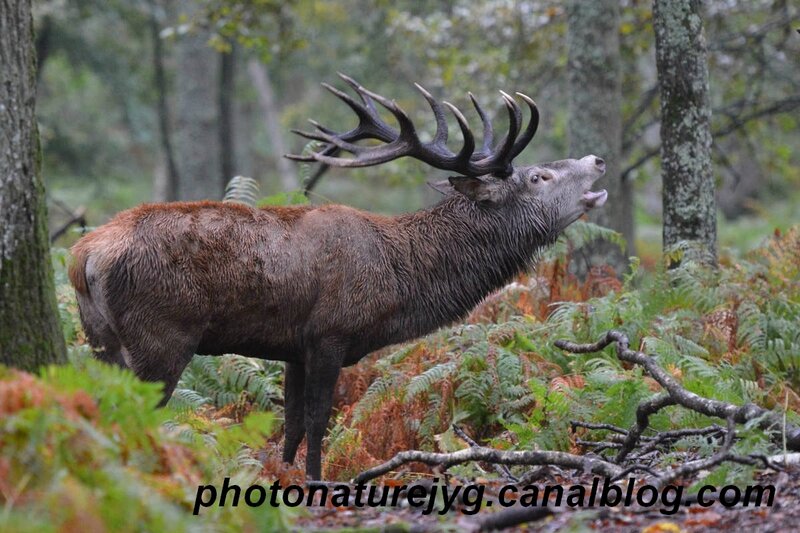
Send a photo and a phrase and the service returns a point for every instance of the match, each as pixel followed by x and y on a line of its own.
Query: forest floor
pixel 782 516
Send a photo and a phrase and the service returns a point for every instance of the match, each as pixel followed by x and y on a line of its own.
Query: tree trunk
pixel 595 107
pixel 197 137
pixel 227 84
pixel 166 189
pixel 688 181
pixel 266 99
pixel 30 334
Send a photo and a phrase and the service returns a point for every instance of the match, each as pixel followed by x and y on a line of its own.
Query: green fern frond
pixel 423 383
pixel 242 190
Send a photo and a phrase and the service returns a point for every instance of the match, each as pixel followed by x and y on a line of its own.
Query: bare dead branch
pixel 480 453
pixel 643 412
pixel 724 454
pixel 77 217
pixel 500 469
pixel 676 394
pixel 668 437
pixel 574 424
pixel 735 123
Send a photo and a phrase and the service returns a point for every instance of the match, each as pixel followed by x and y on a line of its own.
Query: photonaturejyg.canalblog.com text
pixel 470 499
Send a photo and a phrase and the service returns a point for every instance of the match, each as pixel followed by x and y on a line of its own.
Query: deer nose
pixel 600 164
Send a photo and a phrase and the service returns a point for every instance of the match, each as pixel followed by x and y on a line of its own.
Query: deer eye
pixel 535 178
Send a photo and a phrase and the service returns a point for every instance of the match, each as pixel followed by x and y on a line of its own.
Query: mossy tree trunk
pixel 595 123
pixel 688 181
pixel 30 334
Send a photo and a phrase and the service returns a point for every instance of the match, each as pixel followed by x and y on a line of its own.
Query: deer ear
pixel 475 189
pixel 442 186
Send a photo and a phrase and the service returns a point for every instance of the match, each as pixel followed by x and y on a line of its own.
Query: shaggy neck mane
pixel 450 257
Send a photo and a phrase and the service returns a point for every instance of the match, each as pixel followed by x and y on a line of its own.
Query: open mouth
pixel 593 199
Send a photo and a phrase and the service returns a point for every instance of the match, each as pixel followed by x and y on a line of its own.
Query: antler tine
pixel 328 149
pixel 530 131
pixel 357 87
pixel 407 130
pixel 375 155
pixel 320 127
pixel 440 137
pixel 488 131
pixel 507 143
pixel 304 158
pixel 358 108
pixel 466 151
pixel 321 136
pixel 332 139
pixel 300 158
pixel 370 124
pixel 517 111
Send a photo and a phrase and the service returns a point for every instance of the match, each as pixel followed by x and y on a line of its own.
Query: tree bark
pixel 30 334
pixel 595 108
pixel 227 83
pixel 688 181
pixel 168 190
pixel 266 99
pixel 197 137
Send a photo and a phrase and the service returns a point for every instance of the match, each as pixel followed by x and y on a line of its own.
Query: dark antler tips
pixel 350 81
pixel 406 143
pixel 456 111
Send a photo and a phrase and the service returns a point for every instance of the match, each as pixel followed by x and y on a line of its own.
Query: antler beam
pixel 405 142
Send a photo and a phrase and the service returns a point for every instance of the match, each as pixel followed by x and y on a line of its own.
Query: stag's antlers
pixel 467 162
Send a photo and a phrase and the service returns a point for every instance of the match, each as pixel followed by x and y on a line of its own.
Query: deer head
pixel 555 193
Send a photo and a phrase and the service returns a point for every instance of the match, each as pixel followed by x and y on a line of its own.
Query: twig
pixel 666 437
pixel 599 444
pixel 500 469
pixel 591 425
pixel 78 217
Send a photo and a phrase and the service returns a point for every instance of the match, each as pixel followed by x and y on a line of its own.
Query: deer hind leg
pixel 293 410
pixel 321 372
pixel 106 343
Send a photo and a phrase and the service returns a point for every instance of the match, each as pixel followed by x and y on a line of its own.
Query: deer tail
pixel 77 268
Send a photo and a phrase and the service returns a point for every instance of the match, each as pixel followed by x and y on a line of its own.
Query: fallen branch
pixel 668 437
pixel 643 413
pixel 676 394
pixel 500 469
pixel 479 453
pixel 723 455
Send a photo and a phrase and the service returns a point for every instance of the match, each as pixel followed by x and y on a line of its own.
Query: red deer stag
pixel 320 287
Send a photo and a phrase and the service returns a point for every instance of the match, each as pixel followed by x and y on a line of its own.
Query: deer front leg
pixel 322 370
pixel 293 409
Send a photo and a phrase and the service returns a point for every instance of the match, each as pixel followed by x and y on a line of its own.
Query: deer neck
pixel 456 253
